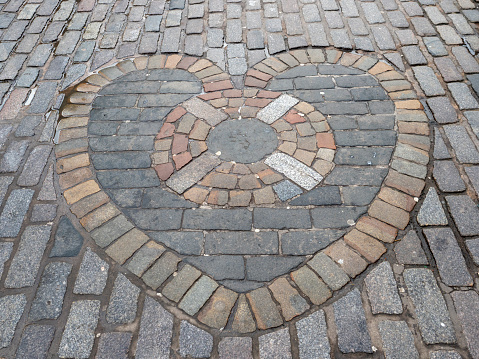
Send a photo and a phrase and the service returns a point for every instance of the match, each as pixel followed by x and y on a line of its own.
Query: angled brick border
pixel 198 295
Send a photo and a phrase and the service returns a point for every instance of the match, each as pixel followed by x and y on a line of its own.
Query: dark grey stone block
pixel 213 219
pixel 345 175
pixel 308 242
pixel 335 217
pixel 182 242
pixel 358 195
pixel 219 267
pixel 35 342
pixel 319 196
pixel 465 214
pixel 128 178
pixel 156 219
pixel 68 241
pixel 281 218
pixel 241 243
pixel 266 268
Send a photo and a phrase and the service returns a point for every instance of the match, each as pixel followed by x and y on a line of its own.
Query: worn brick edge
pixel 345 258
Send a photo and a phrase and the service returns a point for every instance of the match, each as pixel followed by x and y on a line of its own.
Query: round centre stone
pixel 243 141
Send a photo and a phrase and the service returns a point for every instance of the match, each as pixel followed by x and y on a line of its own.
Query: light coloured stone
pixel 204 111
pixel 276 109
pixel 294 170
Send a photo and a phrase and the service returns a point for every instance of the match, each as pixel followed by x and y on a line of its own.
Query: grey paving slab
pixel 122 307
pixel 5 252
pixel 313 339
pixel 12 307
pixel 429 306
pixel 26 262
pixel 431 212
pixel 462 144
pixel 449 259
pixel 409 250
pixel 92 276
pixel 382 290
pixel 79 334
pixel 154 338
pixel 465 214
pixel 398 341
pixel 194 341
pixel 275 345
pixel 50 294
pixel 467 306
pixel 35 342
pixel 353 334
pixel 114 345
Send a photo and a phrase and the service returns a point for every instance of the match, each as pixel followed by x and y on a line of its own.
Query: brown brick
pixel 417 141
pixel 72 122
pixel 377 229
pixel 141 62
pixel 264 195
pixel 99 216
pixel 96 79
pixel 218 86
pixel 403 95
pixel 180 143
pixel 416 128
pixel 249 182
pixel 157 62
pixel 126 245
pixel 410 185
pixel 390 75
pixel 210 96
pixel 396 198
pixel 268 176
pixel 310 284
pixel 209 72
pixel 264 309
pixel 216 77
pixel 239 198
pixel 349 59
pixel 218 197
pixel 164 170
pixel 175 114
pixel 274 63
pixel 200 65
pixel 67 164
pixel 72 133
pixel 166 130
pixel 219 180
pixel 389 214
pixel 182 159
pixel 88 204
pixel 200 131
pixel 259 75
pixel 75 110
pixel 73 178
pixel 87 88
pixel 81 98
pixel 292 304
pixel 293 117
pixel 172 61
pixel 379 68
pixel 257 102
pixel 233 93
pixel 196 194
pixel 268 94
pixel 304 107
pixel 325 140
pixel 409 105
pixel 367 246
pixel 350 261
pixel 254 82
pixel 216 312
pixel 305 156
pixel 71 147
pixel 186 62
pixel 80 191
pixel 243 319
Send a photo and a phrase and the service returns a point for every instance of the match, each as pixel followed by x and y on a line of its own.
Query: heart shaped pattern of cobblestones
pixel 129 235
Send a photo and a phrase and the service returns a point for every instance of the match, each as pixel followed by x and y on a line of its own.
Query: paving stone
pixel 382 290
pixel 353 335
pixel 12 307
pixel 24 267
pixel 429 306
pixel 449 259
pixel 442 110
pixel 237 347
pixel 48 300
pixel 281 219
pixel 435 48
pixel 428 81
pixel 123 301
pixel 465 214
pixel 467 304
pixel 114 344
pixel 462 95
pixel 291 302
pixel 286 190
pixel 79 334
pixel 312 336
pixel 431 212
pixel 462 144
pixel 110 231
pixel 335 217
pixel 409 250
pixel 35 342
pixel 294 170
pixel 443 354
pixel 276 109
pixel 309 242
pixel 473 174
pixel 447 177
pixel 275 345
pixel 155 333
pixel 5 252
pixel 241 243
pixel 13 156
pixel 43 97
pixel 211 219
pixel 220 267
pixel 398 342
pixel 194 341
pixel 92 276
pixel 34 166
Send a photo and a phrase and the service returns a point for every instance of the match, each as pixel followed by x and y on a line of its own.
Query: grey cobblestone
pixel 92 276
pixel 35 342
pixel 122 307
pixel 275 345
pixel 194 342
pixel 12 307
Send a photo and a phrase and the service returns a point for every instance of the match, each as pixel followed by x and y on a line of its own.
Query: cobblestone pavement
pixel 227 179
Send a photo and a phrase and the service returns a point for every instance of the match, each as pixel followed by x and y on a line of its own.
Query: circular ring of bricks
pixel 202 298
